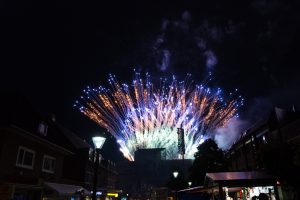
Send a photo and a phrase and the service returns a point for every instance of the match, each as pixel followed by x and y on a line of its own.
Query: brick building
pixel 282 126
pixel 272 145
pixel 41 158
pixel 26 162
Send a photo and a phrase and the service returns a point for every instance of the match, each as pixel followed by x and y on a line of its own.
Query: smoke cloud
pixel 180 44
pixel 217 45
pixel 227 135
pixel 211 59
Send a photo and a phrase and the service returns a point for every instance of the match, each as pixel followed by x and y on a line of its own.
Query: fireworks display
pixel 143 115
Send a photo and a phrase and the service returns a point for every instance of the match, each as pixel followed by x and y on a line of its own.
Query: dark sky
pixel 52 50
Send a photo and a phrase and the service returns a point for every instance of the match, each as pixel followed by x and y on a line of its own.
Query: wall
pixel 11 140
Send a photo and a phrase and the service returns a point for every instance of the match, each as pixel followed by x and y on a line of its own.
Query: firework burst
pixel 143 115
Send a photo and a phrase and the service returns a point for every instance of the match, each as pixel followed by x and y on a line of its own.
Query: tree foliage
pixel 208 158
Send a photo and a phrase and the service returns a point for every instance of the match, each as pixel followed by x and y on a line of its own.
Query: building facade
pixel 150 175
pixel 27 161
pixel 281 127
pixel 272 146
pixel 40 158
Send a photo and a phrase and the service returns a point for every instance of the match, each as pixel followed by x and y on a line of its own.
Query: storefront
pixel 235 185
pixel 111 194
pixel 250 193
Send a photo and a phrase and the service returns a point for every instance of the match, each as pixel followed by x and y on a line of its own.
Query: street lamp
pixel 98 143
pixel 190 183
pixel 175 174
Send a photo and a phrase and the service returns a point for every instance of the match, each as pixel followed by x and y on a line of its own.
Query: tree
pixel 208 158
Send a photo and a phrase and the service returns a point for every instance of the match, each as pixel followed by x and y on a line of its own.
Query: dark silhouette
pixel 263 196
pixel 208 158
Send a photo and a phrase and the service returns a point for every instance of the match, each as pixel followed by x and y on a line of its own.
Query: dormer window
pixel 43 128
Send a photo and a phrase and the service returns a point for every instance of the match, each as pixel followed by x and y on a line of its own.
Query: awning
pixel 229 176
pixel 240 179
pixel 234 180
pixel 64 189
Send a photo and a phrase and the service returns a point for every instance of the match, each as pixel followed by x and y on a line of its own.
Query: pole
pixel 183 167
pixel 96 174
pixel 221 191
pixel 276 192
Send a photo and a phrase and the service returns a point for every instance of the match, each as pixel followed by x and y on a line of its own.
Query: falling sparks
pixel 144 115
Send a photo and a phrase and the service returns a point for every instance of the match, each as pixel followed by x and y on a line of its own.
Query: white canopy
pixel 64 189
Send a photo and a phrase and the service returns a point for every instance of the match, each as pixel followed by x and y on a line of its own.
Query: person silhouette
pixel 263 196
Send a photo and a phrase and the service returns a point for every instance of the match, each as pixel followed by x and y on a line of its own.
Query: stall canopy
pixel 233 181
pixel 248 178
pixel 64 189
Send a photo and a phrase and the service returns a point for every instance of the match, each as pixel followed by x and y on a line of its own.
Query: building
pixel 41 158
pixel 273 143
pixel 27 161
pixel 79 167
pixel 150 175
pixel 248 176
pixel 281 127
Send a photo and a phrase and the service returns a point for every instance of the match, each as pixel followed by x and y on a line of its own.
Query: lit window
pixel 43 128
pixel 264 139
pixel 48 164
pixel 25 158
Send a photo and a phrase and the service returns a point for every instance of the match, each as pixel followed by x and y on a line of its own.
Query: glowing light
pixel 98 141
pixel 175 174
pixel 142 115
pixel 112 194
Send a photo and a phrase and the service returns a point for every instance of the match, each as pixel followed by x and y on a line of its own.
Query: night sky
pixel 52 50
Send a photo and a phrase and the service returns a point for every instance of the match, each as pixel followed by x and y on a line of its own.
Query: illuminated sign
pixel 112 194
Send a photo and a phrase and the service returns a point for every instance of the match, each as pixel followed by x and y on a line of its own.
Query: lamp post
pixel 98 143
pixel 175 175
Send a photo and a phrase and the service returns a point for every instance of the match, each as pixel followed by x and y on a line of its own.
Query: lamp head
pixel 175 174
pixel 98 141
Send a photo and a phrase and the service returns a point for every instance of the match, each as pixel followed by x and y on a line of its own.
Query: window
pixel 264 139
pixel 89 177
pixel 25 158
pixel 43 128
pixel 48 164
pixel 91 155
